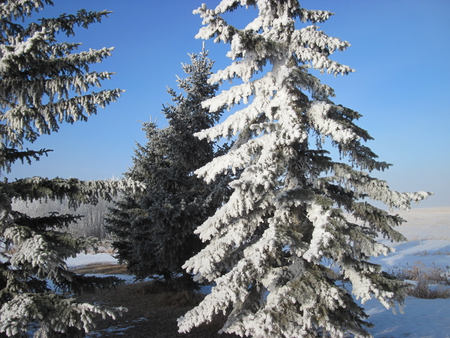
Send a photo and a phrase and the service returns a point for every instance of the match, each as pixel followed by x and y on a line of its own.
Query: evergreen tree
pixel 42 83
pixel 281 246
pixel 154 230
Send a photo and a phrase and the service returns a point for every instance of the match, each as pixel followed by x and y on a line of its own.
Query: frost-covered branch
pixel 293 206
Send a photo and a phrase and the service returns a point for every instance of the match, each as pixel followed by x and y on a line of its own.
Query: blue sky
pixel 400 50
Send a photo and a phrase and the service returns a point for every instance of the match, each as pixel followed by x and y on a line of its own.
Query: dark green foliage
pixel 155 230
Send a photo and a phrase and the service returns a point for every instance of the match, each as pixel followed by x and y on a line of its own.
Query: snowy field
pixel 428 232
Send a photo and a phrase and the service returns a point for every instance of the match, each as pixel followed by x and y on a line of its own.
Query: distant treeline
pixel 91 224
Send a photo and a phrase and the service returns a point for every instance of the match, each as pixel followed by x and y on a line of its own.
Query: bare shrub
pixel 423 289
pixel 432 281
pixel 441 253
pixel 419 271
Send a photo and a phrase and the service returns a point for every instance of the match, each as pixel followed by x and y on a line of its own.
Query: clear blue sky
pixel 400 50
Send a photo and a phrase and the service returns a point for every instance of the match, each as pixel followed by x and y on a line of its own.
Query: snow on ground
pixel 429 252
pixel 83 260
pixel 428 232
pixel 86 259
pixel 117 331
pixel 422 318
pixel 426 223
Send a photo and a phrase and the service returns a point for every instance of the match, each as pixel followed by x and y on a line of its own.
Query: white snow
pixel 429 233
pixel 422 318
pixel 86 259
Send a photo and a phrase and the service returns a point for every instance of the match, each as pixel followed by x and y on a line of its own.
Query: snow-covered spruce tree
pixel 155 229
pixel 42 83
pixel 281 246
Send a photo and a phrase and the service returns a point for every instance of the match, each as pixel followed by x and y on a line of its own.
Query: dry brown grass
pixel 432 281
pixel 170 298
pixel 436 253
pixel 424 290
pixel 152 312
pixel 102 268
pixel 419 271
pixel 153 309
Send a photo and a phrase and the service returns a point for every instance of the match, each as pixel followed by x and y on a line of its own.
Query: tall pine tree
pixel 44 83
pixel 155 229
pixel 279 248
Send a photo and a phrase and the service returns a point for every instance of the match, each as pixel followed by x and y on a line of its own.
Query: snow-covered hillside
pixel 428 231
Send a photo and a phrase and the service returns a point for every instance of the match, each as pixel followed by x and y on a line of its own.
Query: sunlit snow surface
pixel 428 231
pixel 86 259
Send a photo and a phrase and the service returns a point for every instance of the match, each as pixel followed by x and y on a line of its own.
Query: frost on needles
pixel 298 222
pixel 44 83
pixel 155 228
